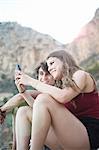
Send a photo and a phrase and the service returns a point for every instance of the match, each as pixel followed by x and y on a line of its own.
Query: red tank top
pixel 85 105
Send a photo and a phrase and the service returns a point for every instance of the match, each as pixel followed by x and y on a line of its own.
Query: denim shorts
pixel 92 126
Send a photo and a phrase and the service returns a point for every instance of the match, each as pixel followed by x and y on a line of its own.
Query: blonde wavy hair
pixel 69 67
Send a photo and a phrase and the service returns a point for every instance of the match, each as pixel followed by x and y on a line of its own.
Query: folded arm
pixel 19 98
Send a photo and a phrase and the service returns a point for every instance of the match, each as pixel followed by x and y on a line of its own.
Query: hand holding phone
pixel 21 88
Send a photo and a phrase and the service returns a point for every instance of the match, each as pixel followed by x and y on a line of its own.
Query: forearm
pixel 33 93
pixel 12 103
pixel 60 95
pixel 55 92
pixel 28 98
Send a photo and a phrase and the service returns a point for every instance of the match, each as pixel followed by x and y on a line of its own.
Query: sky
pixel 61 19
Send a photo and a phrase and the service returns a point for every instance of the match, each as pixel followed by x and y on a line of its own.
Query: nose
pixel 44 77
pixel 49 68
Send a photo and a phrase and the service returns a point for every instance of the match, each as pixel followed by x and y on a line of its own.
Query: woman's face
pixel 45 77
pixel 55 67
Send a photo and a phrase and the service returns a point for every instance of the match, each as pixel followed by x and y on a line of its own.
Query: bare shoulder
pixel 80 78
pixel 80 74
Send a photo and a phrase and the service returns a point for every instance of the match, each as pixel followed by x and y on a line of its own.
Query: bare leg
pixel 68 129
pixel 39 125
pixel 52 141
pixel 23 127
pixel 14 133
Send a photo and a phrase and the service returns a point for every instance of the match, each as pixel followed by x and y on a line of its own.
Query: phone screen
pixel 18 67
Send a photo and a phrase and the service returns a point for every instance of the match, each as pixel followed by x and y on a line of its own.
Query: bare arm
pixel 18 99
pixel 67 94
pixel 12 103
pixel 33 93
pixel 61 95
pixel 29 96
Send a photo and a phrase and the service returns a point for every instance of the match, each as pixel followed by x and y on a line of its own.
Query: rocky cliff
pixel 86 43
pixel 22 45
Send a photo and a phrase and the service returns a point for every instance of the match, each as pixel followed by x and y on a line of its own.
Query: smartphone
pixel 18 67
pixel 20 87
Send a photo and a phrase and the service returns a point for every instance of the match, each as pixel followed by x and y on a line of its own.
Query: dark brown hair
pixel 44 67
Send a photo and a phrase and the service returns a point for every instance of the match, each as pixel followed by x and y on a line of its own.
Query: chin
pixel 55 77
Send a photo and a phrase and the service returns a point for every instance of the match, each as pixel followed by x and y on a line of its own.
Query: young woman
pixel 24 114
pixel 67 118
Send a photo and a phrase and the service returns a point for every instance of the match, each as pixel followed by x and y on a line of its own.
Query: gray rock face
pixel 22 45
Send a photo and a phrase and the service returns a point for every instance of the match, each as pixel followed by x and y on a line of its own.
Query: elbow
pixel 62 99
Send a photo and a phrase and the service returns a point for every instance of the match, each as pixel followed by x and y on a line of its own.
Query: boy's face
pixel 45 77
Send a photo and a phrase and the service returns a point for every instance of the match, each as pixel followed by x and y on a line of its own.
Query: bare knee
pixel 22 111
pixel 42 100
pixel 46 101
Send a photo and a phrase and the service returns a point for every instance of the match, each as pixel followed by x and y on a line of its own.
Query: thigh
pixel 68 129
pixel 29 113
pixel 52 141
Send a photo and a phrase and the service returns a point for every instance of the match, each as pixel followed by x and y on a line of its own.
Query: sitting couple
pixel 64 117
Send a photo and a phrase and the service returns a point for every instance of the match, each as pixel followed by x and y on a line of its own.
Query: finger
pixel 18 72
pixel 19 81
pixel 16 81
pixel 17 77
